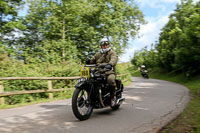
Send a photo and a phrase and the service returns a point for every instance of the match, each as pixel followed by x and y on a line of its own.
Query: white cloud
pixel 195 1
pixel 149 33
pixel 129 54
pixel 155 2
pixel 170 1
pixel 162 5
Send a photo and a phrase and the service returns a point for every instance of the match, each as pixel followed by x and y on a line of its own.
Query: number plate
pixel 85 72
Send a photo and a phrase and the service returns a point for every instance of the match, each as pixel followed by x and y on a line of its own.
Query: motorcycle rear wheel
pixel 81 106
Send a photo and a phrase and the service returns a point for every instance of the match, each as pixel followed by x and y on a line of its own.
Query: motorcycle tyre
pixel 75 107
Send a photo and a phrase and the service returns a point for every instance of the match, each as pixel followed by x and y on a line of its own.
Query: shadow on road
pixel 39 120
pixel 52 106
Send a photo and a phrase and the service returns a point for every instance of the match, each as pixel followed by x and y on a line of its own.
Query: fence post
pixel 2 100
pixel 50 88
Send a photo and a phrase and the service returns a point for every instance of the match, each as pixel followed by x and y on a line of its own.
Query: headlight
pixel 81 80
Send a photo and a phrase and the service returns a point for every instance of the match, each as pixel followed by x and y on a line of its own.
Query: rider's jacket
pixel 109 57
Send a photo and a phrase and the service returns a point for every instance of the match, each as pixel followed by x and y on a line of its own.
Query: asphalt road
pixel 150 104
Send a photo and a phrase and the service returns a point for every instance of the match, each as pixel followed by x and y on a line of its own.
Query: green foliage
pixel 178 48
pixel 144 57
pixel 55 35
pixel 8 12
pixel 123 68
pixel 58 28
pixel 13 68
pixel 8 21
pixel 179 45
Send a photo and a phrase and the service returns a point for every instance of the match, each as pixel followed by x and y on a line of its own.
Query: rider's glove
pixel 108 66
pixel 101 65
pixel 87 61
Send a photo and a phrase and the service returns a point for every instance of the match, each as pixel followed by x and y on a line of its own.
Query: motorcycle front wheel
pixel 81 106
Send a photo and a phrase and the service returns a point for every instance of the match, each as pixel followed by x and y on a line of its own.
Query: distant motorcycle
pixel 93 92
pixel 144 74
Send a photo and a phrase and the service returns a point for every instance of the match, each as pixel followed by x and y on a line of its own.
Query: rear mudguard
pixel 122 87
pixel 119 84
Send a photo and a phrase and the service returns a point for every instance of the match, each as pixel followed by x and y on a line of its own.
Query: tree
pixel 179 45
pixel 8 14
pixel 73 28
pixel 145 57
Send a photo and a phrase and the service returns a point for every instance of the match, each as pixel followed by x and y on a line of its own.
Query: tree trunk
pixel 63 38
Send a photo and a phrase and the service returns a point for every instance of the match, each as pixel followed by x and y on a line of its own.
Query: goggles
pixel 104 43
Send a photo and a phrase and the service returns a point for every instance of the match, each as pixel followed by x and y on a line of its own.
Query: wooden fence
pixel 50 89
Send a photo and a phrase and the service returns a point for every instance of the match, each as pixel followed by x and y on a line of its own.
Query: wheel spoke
pixel 82 105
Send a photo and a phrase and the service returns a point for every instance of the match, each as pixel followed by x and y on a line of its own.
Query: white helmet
pixel 142 66
pixel 104 41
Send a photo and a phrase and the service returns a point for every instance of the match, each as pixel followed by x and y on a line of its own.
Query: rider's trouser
pixel 111 82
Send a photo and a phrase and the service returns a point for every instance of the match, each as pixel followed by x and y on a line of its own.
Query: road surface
pixel 150 104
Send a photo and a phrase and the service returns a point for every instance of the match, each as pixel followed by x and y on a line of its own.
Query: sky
pixel 156 13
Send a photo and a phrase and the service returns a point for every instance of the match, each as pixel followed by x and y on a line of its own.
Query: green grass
pixel 123 68
pixel 189 120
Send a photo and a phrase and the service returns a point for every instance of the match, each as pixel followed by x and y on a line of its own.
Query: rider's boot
pixel 112 95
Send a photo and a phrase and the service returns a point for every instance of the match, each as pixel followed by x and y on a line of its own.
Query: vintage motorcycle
pixel 92 92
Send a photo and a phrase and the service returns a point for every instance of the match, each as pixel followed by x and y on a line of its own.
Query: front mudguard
pixel 86 86
pixel 81 85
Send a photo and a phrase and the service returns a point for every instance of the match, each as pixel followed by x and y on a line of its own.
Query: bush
pixel 13 68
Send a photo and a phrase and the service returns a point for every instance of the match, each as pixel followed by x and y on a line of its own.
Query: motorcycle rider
pixel 106 58
pixel 143 70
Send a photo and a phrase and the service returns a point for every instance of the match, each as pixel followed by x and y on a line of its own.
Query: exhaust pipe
pixel 120 100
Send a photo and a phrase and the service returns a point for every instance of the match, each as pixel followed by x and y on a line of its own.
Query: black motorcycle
pixel 144 74
pixel 93 92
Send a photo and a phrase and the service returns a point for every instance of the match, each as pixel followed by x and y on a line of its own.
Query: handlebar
pixel 97 67
pixel 91 65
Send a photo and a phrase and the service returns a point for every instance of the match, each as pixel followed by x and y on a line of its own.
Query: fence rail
pixel 50 89
pixel 40 78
